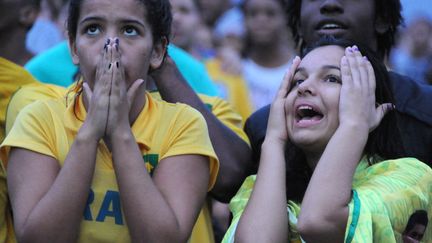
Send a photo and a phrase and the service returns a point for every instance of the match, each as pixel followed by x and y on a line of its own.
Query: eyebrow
pixel 123 21
pixel 301 69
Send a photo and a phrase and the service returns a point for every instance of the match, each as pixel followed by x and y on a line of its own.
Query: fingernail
pixel 355 48
pixel 117 41
pixel 117 64
pixel 109 66
pixel 365 58
pixel 350 49
pixel 108 41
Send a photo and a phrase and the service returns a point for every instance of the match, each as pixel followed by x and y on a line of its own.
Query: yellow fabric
pixel 12 76
pixel 161 130
pixel 387 193
pixel 232 87
pixel 28 94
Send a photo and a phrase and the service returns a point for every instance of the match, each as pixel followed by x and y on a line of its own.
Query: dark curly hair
pixel 159 17
pixel 383 143
pixel 389 10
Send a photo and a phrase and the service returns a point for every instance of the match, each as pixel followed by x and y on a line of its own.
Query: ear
pixel 158 53
pixel 73 51
pixel 28 15
pixel 381 26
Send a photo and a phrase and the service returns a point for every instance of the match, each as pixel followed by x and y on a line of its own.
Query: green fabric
pixel 384 197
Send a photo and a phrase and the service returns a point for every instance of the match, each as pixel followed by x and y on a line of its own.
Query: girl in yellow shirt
pixel 111 164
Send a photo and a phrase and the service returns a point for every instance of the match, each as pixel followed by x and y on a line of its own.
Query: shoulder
pixel 412 98
pixel 257 122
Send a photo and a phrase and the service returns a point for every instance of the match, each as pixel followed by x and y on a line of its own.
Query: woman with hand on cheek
pixel 328 170
pixel 110 163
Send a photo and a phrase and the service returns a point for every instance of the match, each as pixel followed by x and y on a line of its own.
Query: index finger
pixel 284 87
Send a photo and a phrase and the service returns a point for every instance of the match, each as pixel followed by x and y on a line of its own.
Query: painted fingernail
pixel 108 41
pixel 355 48
pixel 109 66
pixel 117 64
pixel 117 41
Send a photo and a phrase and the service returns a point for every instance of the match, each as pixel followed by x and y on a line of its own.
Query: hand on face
pixel 277 124
pixel 357 97
pixel 121 98
pixel 110 101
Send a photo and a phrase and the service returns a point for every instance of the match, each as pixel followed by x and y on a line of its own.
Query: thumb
pixel 133 90
pixel 383 109
pixel 88 93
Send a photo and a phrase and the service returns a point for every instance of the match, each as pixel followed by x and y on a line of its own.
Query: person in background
pixel 231 86
pixel 16 18
pixel 268 51
pixel 416 227
pixel 49 28
pixel 413 53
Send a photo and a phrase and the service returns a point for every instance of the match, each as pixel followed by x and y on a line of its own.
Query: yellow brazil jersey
pixel 161 130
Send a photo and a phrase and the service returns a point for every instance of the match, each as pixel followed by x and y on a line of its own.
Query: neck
pixel 12 47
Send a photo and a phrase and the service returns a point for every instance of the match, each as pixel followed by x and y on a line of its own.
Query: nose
pixel 331 6
pixel 306 88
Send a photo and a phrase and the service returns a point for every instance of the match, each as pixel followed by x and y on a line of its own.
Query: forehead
pixel 262 3
pixel 325 55
pixel 114 9
pixel 186 3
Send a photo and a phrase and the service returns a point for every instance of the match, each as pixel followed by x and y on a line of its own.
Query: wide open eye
pixel 92 29
pixel 130 31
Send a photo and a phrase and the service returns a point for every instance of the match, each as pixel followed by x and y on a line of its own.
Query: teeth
pixel 331 26
pixel 305 107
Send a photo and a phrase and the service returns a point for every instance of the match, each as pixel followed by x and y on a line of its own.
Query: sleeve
pixel 385 195
pixel 32 131
pixel 225 113
pixel 189 135
pixel 27 95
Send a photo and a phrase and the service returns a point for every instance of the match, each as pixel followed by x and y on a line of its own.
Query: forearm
pixel 66 198
pixel 149 217
pixel 233 152
pixel 265 217
pixel 330 186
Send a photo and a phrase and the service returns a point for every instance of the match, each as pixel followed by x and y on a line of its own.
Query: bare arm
pixel 163 209
pixel 265 217
pixel 46 197
pixel 325 209
pixel 39 187
pixel 233 153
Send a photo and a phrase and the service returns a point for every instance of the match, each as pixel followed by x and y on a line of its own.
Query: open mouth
pixel 306 113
